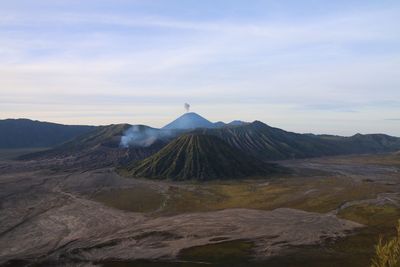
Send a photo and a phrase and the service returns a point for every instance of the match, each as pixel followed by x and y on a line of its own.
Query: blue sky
pixel 305 66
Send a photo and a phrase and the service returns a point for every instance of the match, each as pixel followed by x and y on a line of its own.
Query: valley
pixel 326 211
pixel 153 133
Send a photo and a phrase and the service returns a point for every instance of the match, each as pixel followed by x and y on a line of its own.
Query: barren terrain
pixel 85 217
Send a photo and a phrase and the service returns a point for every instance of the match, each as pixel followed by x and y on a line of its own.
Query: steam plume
pixel 187 107
pixel 142 136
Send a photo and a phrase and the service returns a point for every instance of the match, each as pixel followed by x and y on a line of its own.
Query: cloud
pixel 113 61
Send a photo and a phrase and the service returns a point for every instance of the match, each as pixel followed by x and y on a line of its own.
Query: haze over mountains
pixel 190 147
pixel 23 133
pixel 192 120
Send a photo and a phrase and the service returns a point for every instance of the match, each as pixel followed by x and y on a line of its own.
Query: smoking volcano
pixel 190 120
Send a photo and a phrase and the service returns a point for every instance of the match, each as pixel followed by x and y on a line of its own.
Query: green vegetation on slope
pixel 265 142
pixel 200 157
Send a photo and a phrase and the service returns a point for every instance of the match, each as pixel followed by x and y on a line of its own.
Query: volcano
pixel 199 157
pixel 189 121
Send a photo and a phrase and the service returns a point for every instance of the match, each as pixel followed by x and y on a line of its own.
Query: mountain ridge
pixel 24 133
pixel 103 145
pixel 269 143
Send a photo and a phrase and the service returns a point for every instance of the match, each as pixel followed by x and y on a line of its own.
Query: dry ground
pixel 98 217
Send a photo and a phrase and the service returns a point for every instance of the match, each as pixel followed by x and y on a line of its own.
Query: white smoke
pixel 142 136
pixel 187 107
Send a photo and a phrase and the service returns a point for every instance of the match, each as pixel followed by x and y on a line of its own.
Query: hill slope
pixel 268 143
pixel 99 148
pixel 189 120
pixel 23 133
pixel 200 157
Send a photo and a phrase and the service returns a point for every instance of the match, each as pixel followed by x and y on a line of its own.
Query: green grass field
pixel 137 199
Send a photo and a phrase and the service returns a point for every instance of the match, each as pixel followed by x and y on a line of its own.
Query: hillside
pixel 101 147
pixel 265 142
pixel 199 157
pixel 24 133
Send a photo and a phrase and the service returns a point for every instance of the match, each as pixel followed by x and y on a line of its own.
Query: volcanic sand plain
pixel 328 211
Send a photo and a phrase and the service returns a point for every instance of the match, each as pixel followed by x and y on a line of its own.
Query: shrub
pixel 387 254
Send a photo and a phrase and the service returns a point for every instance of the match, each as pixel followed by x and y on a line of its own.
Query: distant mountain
pixel 199 157
pixel 189 120
pixel 237 123
pixel 363 143
pixel 219 124
pixel 123 143
pixel 24 133
pixel 269 143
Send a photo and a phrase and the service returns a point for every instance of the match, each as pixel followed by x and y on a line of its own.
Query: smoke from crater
pixel 187 107
pixel 142 136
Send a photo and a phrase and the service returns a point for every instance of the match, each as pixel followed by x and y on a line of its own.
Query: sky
pixel 310 66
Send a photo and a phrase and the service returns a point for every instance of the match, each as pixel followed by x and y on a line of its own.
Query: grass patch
pixel 309 194
pixel 137 199
pixel 332 192
pixel 372 215
pixel 226 253
pixel 147 263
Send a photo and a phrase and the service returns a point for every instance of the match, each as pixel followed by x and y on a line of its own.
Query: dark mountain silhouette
pixel 199 157
pixel 24 133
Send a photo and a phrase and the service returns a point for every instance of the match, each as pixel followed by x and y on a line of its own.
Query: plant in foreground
pixel 387 254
